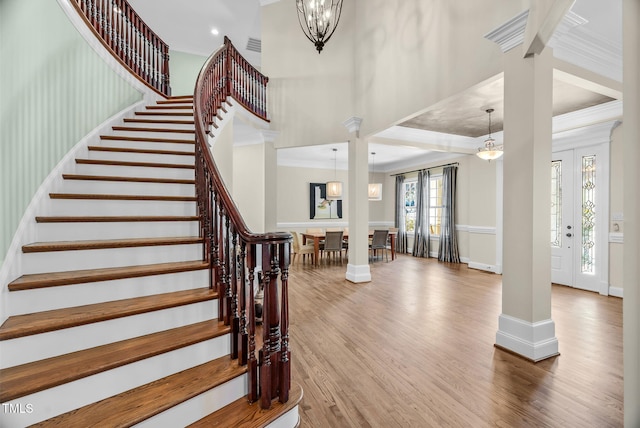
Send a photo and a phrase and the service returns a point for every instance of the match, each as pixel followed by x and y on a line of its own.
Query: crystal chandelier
pixel 489 151
pixel 319 19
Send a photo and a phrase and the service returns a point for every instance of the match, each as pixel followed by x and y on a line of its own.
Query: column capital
pixel 353 124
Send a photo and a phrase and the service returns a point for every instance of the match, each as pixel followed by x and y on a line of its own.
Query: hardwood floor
pixel 414 348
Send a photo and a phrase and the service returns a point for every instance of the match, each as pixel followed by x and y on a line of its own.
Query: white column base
pixel 534 341
pixel 358 273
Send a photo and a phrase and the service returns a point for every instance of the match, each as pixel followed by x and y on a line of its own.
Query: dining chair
pixel 300 249
pixel 333 243
pixel 379 242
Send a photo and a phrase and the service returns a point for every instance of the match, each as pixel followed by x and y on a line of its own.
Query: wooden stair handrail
pixel 129 39
pixel 232 251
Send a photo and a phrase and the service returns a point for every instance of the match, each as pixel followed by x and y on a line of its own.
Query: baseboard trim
pixel 533 341
pixel 616 292
pixel 358 273
pixel 483 266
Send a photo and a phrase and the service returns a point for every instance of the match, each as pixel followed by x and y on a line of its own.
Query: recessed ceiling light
pixel 215 31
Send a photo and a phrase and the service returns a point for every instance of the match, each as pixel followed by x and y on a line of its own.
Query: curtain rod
pixel 422 169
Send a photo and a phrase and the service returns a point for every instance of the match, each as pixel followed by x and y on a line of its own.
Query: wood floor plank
pixel 37 376
pixel 136 405
pixel 415 348
pixel 41 322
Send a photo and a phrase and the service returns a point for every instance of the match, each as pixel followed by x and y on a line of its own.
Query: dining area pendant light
pixel 375 189
pixel 489 151
pixel 334 188
pixel 319 19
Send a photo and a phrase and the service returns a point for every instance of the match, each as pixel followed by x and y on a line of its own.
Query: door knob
pixel 569 235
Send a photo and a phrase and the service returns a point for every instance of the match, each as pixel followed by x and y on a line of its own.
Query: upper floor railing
pixel 235 254
pixel 129 39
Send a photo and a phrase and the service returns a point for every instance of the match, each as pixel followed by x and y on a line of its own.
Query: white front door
pixel 579 218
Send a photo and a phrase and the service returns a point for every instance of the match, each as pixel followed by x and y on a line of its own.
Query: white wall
pixel 248 182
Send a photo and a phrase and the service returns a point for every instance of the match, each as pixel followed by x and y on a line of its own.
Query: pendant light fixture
pixel 334 188
pixel 319 19
pixel 375 189
pixel 489 151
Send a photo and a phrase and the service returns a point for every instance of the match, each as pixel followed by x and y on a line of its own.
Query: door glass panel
pixel 556 204
pixel 588 213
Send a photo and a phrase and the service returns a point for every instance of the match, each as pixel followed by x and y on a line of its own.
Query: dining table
pixel 317 237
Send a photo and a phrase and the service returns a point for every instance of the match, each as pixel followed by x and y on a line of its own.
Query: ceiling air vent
pixel 254 45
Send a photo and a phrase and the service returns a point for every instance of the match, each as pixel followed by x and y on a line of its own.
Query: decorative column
pixel 631 278
pixel 358 266
pixel 525 326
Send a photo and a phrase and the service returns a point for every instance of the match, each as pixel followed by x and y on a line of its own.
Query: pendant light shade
pixel 489 151
pixel 375 189
pixel 334 188
pixel 319 19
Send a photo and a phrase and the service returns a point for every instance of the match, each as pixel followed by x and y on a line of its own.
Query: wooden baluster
pixel 242 303
pixel 219 260
pixel 233 298
pixel 265 353
pixel 285 352
pixel 252 363
pixel 273 322
pixel 227 274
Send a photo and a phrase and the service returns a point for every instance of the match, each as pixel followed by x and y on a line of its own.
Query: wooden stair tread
pixel 145 151
pixel 136 405
pixel 54 279
pixel 39 247
pixel 136 129
pixel 146 139
pixel 58 319
pixel 241 414
pixel 29 378
pixel 185 106
pixel 112 219
pixel 95 196
pixel 139 164
pixel 128 179
pixel 177 99
pixel 160 121
pixel 162 113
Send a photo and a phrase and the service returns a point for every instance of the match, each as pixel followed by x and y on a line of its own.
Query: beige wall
pixel 222 151
pixel 310 94
pixel 185 68
pixel 248 180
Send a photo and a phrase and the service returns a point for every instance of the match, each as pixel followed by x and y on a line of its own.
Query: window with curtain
pixel 410 206
pixel 435 204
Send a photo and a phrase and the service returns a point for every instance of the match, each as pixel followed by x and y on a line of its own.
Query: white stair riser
pixel 142 157
pixel 72 207
pixel 115 230
pixel 189 127
pixel 151 134
pixel 200 406
pixel 147 145
pixel 39 346
pixel 128 188
pixel 50 298
pixel 134 171
pixel 82 392
pixel 61 261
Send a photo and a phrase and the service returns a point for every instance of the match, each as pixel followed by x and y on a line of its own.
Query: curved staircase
pixel 113 322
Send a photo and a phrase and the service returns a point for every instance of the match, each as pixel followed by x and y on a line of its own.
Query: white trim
pixel 616 238
pixel 358 273
pixel 288 420
pixel 535 341
pixel 511 33
pixel 483 266
pixel 353 124
pixel 587 117
pixel 616 292
pixel 485 230
pixel 316 223
pixel 583 137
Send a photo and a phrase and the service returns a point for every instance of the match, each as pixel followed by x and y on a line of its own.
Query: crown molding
pixel 511 33
pixel 588 116
pixel 585 136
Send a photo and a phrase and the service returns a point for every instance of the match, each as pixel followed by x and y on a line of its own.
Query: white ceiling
pixel 429 137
